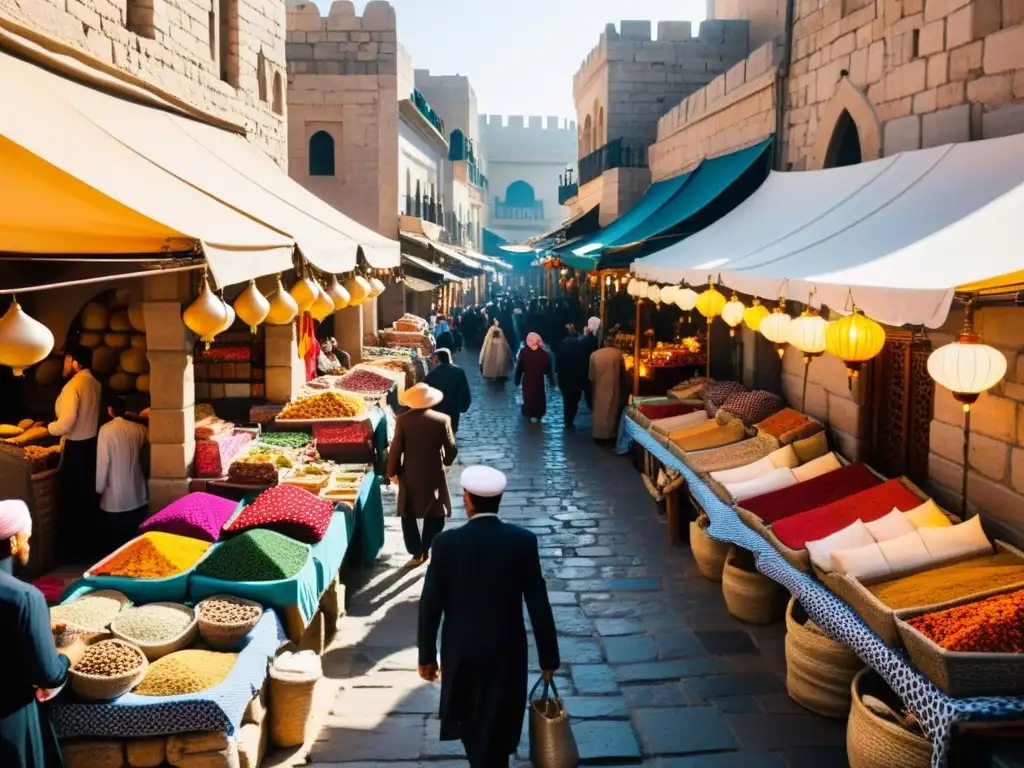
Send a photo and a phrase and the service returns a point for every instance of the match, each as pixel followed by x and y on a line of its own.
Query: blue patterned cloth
pixel 936 711
pixel 218 709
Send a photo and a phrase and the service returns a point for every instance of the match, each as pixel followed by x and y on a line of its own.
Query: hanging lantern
pixel 967 367
pixel 774 328
pixel 251 306
pixel 323 307
pixel 376 287
pixel 668 294
pixel 229 316
pixel 206 315
pixel 358 289
pixel 338 294
pixel 283 308
pixel 732 313
pixel 642 288
pixel 710 303
pixel 632 286
pixel 854 339
pixel 304 292
pixel 686 299
pixel 23 341
pixel 654 293
pixel 754 314
pixel 807 333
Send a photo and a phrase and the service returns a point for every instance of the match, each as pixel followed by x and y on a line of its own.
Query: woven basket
pixel 874 742
pixel 749 595
pixel 113 594
pixel 818 669
pixel 96 688
pixel 708 553
pixel 226 637
pixel 880 617
pixel 155 651
pixel 291 707
pixel 315 636
pixel 45 510
pixel 961 674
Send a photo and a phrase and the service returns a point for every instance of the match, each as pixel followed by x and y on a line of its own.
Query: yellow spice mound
pixel 184 672
pixel 153 555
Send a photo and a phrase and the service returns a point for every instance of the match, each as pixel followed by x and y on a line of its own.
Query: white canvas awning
pixel 896 236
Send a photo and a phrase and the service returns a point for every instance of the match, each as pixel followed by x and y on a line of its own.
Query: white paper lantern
pixel 732 313
pixel 641 289
pixel 23 341
pixel 774 329
pixel 686 299
pixel 669 293
pixel 967 368
pixel 654 293
pixel 631 287
pixel 807 333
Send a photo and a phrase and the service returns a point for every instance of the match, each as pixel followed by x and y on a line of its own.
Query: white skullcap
pixel 484 482
pixel 14 518
pixel 594 324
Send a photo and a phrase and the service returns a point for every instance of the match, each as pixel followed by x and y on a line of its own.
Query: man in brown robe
pixel 606 370
pixel 423 446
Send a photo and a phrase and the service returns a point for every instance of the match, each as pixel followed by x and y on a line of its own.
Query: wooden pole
pixel 672 516
pixel 636 347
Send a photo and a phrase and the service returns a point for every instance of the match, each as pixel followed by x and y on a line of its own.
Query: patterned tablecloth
pixel 218 709
pixel 936 711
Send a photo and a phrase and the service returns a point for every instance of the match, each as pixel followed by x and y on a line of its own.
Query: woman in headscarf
pixel 35 665
pixel 532 366
pixel 443 335
pixel 495 355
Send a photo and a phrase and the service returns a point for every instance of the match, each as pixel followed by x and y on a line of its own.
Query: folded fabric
pixel 955 541
pixel 817 493
pixel 774 480
pixel 782 421
pixel 784 457
pixel 731 456
pixel 686 391
pixel 713 438
pixel 665 410
pixel 743 474
pixel 890 526
pixel 752 407
pixel 816 468
pixel 196 515
pixel 951 582
pixel 683 421
pixel 928 515
pixel 811 448
pixel 704 426
pixel 863 563
pixel 906 552
pixel 851 537
pixel 805 430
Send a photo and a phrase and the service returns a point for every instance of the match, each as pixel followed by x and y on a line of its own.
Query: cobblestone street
pixel 654 669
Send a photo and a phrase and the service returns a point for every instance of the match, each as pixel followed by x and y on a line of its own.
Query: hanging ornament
pixel 854 339
pixel 323 307
pixel 338 294
pixel 668 294
pixel 967 367
pixel 632 286
pixel 774 328
pixel 229 316
pixel 710 302
pixel 654 293
pixel 304 292
pixel 807 333
pixel 23 341
pixel 251 306
pixel 206 315
pixel 376 287
pixel 358 290
pixel 732 313
pixel 283 308
pixel 754 314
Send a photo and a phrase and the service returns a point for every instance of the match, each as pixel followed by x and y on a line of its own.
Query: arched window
pixel 321 154
pixel 261 75
pixel 519 193
pixel 588 130
pixel 278 105
pixel 844 146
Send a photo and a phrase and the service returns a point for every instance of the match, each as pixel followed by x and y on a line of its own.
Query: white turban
pixel 14 518
pixel 594 324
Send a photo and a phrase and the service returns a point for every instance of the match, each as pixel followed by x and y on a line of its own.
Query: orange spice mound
pixel 992 625
pixel 153 555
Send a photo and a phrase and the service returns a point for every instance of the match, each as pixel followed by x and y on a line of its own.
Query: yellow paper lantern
pixel 206 315
pixel 323 307
pixel 283 308
pixel 338 294
pixel 807 333
pixel 358 289
pixel 774 328
pixel 967 368
pixel 23 341
pixel 854 339
pixel 376 287
pixel 251 306
pixel 732 313
pixel 754 314
pixel 304 292
pixel 686 299
pixel 710 302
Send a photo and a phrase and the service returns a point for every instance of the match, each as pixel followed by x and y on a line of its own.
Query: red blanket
pixel 665 410
pixel 872 504
pixel 817 492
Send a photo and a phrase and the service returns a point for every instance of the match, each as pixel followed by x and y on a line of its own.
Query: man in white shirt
pixel 120 479
pixel 78 419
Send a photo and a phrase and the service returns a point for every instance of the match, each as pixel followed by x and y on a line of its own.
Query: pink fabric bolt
pixel 198 515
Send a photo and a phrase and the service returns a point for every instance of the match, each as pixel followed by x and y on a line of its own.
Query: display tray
pixel 284 425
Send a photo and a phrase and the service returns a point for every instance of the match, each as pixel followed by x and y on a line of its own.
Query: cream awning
pixel 895 236
pixel 463 261
pixel 36 116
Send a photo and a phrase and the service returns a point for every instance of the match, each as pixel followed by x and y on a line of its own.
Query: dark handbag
pixel 552 743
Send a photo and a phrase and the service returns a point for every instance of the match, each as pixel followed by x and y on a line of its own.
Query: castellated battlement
pixel 342 43
pixel 495 125
pixel 675 45
pixel 304 16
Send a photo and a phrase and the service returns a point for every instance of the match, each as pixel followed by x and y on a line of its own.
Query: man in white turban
pixel 15 532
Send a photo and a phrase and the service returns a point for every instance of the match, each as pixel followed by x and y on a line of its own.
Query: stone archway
pixel 847 104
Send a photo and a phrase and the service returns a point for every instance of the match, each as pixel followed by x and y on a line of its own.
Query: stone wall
pixel 453 98
pixel 176 45
pixel 767 17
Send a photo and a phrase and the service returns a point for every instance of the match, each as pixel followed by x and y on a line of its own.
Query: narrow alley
pixel 654 669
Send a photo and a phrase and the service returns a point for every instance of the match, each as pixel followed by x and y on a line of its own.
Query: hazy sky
pixel 520 55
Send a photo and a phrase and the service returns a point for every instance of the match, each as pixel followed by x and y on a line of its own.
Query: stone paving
pixel 655 671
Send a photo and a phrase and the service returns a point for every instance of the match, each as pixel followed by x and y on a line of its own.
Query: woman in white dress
pixel 495 355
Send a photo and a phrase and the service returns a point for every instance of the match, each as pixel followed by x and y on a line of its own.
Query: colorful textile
pixel 810 448
pixel 752 407
pixel 215 454
pixel 775 506
pixel 731 456
pixel 871 504
pixel 717 392
pixel 197 515
pixel 286 509
pixel 664 411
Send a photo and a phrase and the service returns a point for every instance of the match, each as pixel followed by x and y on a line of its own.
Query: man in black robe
pixel 477 580
pixel 452 381
pixel 573 377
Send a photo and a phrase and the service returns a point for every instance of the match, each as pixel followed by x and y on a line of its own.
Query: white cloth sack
pixel 773 481
pixel 955 541
pixel 892 526
pixel 816 467
pixel 865 562
pixel 852 536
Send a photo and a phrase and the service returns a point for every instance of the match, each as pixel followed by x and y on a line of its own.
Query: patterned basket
pixel 749 595
pixel 874 742
pixel 708 553
pixel 961 674
pixel 96 688
pixel 818 669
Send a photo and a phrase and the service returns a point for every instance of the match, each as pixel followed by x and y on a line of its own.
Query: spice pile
pixel 288 510
pixel 109 658
pixel 184 672
pixel 153 623
pixel 197 515
pixel 227 611
pixel 153 555
pixel 364 382
pixel 257 555
pixel 333 434
pixel 951 582
pixel 324 405
pixel 993 625
pixel 285 439
pixel 92 612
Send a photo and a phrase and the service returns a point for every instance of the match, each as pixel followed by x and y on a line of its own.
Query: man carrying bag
pixel 552 743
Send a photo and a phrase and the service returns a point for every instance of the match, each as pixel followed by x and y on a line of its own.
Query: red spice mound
pixel 364 382
pixel 665 410
pixel 782 422
pixel 795 531
pixel 992 625
pixel 817 492
pixel 332 434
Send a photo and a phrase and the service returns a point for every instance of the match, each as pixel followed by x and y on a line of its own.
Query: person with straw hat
pixel 423 446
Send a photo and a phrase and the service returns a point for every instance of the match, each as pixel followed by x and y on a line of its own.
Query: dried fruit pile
pixel 92 612
pixel 153 623
pixel 364 382
pixel 993 625
pixel 257 555
pixel 324 405
pixel 333 434
pixel 227 611
pixel 153 555
pixel 109 658
pixel 253 470
pixel 183 672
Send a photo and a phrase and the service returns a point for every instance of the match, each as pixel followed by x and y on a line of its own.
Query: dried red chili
pixel 992 625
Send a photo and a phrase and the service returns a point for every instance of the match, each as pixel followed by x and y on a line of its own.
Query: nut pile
pixel 185 672
pixel 227 611
pixel 365 382
pixel 324 405
pixel 89 612
pixel 153 623
pixel 109 658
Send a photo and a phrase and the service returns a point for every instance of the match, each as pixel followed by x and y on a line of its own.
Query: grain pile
pixel 153 623
pixel 109 658
pixel 950 582
pixel 184 672
pixel 227 611
pixel 153 555
pixel 256 555
pixel 90 612
pixel 324 405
